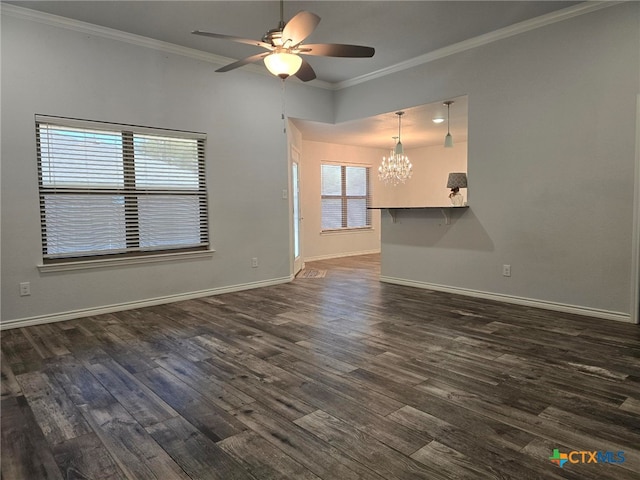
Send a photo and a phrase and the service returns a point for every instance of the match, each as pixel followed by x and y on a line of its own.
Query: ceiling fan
pixel 284 47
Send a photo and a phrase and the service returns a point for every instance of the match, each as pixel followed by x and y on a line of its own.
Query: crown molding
pixel 133 39
pixel 500 34
pixel 113 34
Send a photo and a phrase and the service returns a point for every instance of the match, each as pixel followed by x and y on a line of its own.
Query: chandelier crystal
pixel 396 168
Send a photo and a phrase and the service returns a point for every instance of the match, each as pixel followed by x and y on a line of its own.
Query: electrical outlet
pixel 254 262
pixel 25 289
pixel 285 194
pixel 506 270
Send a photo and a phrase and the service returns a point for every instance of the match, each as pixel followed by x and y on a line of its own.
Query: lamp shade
pixel 283 64
pixel 457 180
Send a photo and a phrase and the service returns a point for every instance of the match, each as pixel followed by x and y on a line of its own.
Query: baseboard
pixel 528 302
pixel 60 317
pixel 340 255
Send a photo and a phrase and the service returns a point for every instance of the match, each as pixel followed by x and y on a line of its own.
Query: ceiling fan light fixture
pixel 283 64
pixel 283 44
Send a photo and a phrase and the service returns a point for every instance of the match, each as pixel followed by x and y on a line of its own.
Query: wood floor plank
pixel 86 457
pixel 577 440
pixel 142 403
pixel 25 452
pixel 321 458
pixel 339 377
pixel 487 451
pixel 210 419
pixel 370 399
pixel 9 386
pixel 457 465
pixel 365 448
pixel 47 340
pixel 356 414
pixel 202 378
pixel 19 352
pixel 262 459
pixel 195 452
pixel 131 447
pixel 58 417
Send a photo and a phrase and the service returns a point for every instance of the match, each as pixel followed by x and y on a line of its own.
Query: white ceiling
pixel 398 30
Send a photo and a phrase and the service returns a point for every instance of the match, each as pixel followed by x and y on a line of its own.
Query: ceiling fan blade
pixel 299 28
pixel 248 41
pixel 244 61
pixel 337 50
pixel 305 73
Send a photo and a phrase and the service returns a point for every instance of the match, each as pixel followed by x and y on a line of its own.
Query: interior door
pixel 298 263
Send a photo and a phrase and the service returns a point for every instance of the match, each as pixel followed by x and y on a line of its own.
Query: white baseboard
pixel 339 255
pixel 528 302
pixel 60 317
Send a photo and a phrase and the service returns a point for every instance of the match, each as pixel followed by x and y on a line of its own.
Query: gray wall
pixel 57 71
pixel 551 154
pixel 551 149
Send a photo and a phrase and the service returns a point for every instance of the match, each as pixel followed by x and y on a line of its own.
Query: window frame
pixel 345 198
pixel 133 252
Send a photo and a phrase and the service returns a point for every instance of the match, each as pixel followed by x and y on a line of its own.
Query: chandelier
pixel 396 168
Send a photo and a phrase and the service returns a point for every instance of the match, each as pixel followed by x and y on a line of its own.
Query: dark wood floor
pixel 331 378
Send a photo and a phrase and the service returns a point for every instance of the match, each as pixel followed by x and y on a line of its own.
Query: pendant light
pixel 448 140
pixel 397 168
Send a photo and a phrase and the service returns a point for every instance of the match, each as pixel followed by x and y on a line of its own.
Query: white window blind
pixel 108 189
pixel 345 197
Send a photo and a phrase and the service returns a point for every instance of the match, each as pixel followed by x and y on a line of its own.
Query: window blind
pixel 345 197
pixel 108 189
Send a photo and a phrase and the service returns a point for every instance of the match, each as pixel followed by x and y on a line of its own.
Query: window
pixel 108 189
pixel 345 197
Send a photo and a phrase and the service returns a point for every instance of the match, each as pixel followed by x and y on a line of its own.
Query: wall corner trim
pixel 133 39
pixel 502 33
pixel 521 27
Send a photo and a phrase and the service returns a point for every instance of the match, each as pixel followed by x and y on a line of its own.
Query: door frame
pixel 634 313
pixel 297 262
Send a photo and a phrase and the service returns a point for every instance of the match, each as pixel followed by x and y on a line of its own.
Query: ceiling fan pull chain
pixel 284 107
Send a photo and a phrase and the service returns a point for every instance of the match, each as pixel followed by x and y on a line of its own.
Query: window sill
pixel 123 262
pixel 346 231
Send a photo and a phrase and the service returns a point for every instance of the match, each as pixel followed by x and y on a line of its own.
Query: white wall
pixel 431 167
pixel 58 71
pixel 551 156
pixel 317 245
pixel 428 184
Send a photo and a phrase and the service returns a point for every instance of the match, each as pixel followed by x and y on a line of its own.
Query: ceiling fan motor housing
pixel 274 36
